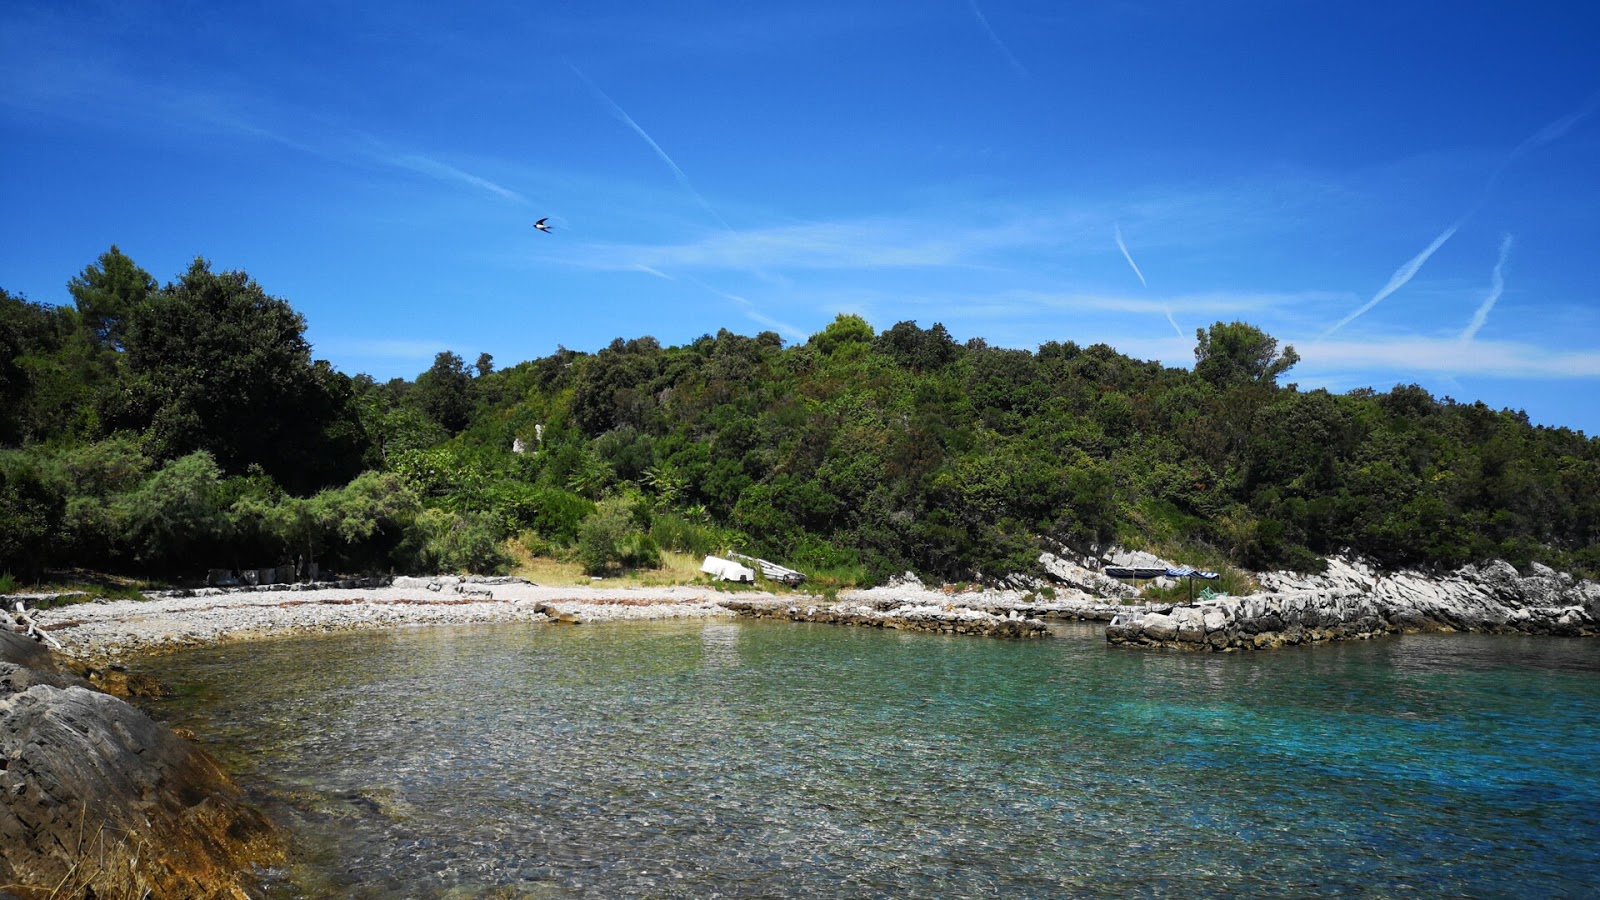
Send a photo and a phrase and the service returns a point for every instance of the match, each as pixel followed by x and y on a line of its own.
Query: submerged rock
pixel 948 619
pixel 99 800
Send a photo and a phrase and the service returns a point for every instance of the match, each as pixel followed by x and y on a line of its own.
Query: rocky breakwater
pixel 946 619
pixel 1353 601
pixel 1068 601
pixel 101 801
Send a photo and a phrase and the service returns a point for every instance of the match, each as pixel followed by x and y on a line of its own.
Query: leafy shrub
pixel 673 532
pixel 612 538
pixel 438 540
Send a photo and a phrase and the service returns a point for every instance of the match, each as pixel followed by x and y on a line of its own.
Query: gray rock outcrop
pixel 946 619
pixel 1352 601
pixel 100 800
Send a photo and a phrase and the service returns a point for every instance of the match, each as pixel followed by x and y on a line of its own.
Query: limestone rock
pixel 1075 575
pixel 1351 601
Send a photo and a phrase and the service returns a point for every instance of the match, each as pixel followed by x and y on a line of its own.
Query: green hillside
pixel 162 430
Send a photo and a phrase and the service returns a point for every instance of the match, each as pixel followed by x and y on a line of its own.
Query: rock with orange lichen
pixel 97 799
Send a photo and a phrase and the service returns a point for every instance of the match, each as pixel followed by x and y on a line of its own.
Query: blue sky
pixel 1404 191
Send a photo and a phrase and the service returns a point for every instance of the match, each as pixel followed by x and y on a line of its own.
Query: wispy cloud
pixel 446 172
pixel 752 313
pixel 1442 356
pixel 1398 280
pixel 1121 245
pixel 1556 130
pixel 623 117
pixel 860 244
pixel 994 38
pixel 1497 286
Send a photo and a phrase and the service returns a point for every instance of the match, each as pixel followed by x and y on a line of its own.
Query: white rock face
pixel 1352 601
pixel 1075 575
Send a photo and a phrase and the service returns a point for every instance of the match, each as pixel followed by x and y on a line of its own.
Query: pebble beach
pixel 116 629
pixel 112 630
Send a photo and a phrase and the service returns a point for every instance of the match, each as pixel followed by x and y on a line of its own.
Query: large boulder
pixel 99 800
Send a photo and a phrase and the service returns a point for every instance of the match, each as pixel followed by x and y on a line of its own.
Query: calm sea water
pixel 770 759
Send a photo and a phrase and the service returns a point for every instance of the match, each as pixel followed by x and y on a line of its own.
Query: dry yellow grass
pixel 676 568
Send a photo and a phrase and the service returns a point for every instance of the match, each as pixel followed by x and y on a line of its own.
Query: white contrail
pixel 622 115
pixel 1549 134
pixel 1554 131
pixel 444 171
pixel 1397 281
pixel 1128 256
pixel 1497 286
pixel 1173 322
pixel 656 272
pixel 752 312
pixel 988 29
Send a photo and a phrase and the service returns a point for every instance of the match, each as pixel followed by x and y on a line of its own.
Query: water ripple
pixel 761 759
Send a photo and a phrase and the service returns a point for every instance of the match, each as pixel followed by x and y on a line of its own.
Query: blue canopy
pixel 1154 572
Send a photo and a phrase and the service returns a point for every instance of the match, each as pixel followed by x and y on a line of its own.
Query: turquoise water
pixel 771 759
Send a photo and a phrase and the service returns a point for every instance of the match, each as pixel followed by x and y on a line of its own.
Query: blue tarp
pixel 1153 572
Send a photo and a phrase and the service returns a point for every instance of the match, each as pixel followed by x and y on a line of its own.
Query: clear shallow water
pixel 771 759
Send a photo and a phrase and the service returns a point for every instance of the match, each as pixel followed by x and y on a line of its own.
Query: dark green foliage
pixel 214 363
pixel 444 393
pixel 1237 353
pixel 438 540
pixel 32 508
pixel 169 430
pixel 107 294
pixel 916 349
pixel 49 373
pixel 614 538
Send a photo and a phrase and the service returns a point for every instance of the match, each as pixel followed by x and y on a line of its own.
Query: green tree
pixel 844 330
pixel 214 363
pixel 107 293
pixel 444 393
pixel 32 508
pixel 176 515
pixel 616 386
pixel 1238 353
pixel 439 540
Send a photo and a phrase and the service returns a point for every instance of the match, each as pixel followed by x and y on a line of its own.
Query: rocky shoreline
pixel 102 801
pixel 1353 602
pixel 164 818
pixel 943 619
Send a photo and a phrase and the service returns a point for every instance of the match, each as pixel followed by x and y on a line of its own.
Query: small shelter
pixel 1138 572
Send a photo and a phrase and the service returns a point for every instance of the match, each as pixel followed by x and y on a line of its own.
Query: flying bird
pixel 542 226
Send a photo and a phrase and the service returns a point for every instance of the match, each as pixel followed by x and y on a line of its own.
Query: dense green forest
pixel 163 430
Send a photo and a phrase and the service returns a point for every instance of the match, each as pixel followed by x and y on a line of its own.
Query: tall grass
pixel 678 534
